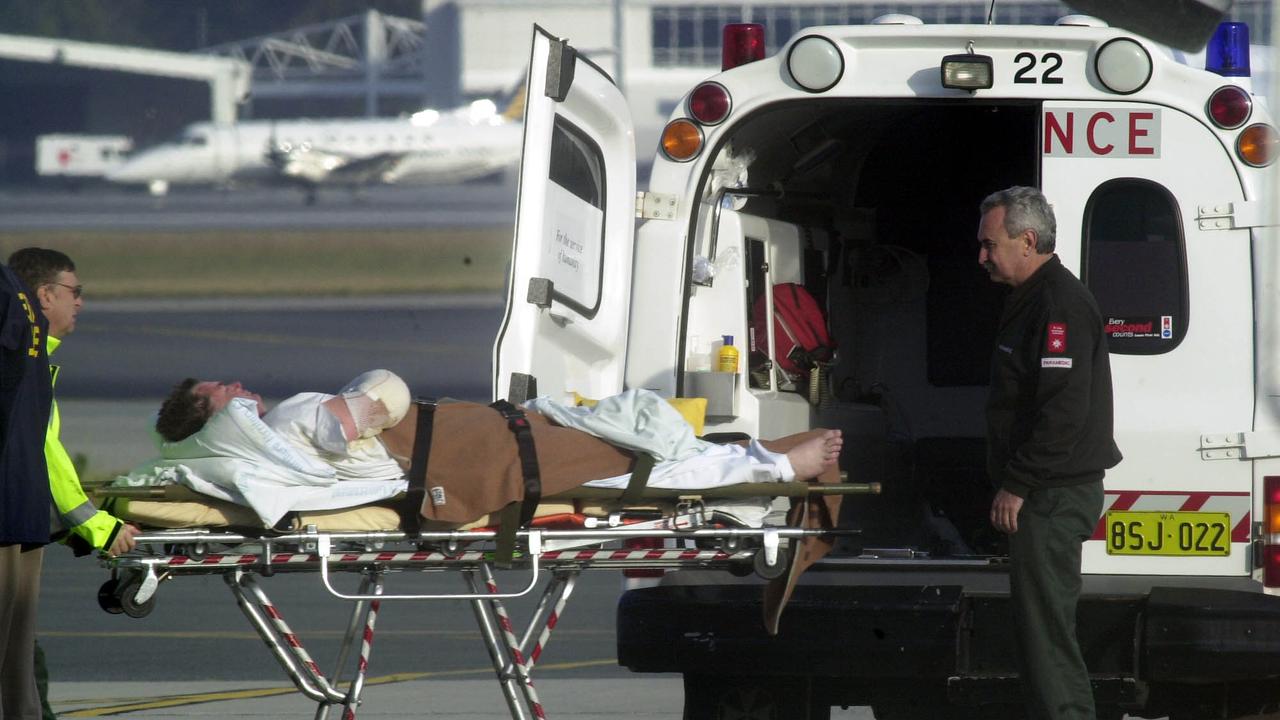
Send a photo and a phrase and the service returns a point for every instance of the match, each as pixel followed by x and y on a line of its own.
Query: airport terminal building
pixel 380 65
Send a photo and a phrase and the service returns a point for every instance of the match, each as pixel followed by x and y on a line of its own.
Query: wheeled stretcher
pixel 582 529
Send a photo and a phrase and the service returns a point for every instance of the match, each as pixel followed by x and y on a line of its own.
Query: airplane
pixel 428 147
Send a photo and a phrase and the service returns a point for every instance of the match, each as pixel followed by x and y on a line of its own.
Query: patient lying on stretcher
pixel 366 432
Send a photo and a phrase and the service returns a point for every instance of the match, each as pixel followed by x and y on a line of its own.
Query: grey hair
pixel 1025 208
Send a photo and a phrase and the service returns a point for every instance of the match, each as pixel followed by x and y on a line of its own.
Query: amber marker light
pixel 1257 145
pixel 681 140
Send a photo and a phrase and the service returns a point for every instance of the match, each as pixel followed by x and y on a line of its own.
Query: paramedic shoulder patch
pixel 1053 362
pixel 437 496
pixel 1055 339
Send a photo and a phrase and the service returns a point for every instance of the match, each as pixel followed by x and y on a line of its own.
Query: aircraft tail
pixel 514 111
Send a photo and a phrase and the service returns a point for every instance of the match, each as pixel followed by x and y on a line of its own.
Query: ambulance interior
pixel 885 197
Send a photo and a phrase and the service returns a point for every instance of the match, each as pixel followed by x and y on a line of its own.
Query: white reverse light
pixel 1123 66
pixel 815 63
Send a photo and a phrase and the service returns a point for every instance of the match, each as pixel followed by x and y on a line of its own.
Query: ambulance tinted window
pixel 576 163
pixel 1135 262
pixel 574 219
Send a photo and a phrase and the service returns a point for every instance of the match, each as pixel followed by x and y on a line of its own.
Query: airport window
pixel 1135 263
pixel 574 219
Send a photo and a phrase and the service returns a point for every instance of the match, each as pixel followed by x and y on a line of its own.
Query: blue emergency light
pixel 1228 51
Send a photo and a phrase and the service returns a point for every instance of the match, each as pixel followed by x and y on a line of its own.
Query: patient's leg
pixel 815 454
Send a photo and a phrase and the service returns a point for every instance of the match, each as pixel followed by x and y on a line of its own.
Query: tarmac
pixel 639 698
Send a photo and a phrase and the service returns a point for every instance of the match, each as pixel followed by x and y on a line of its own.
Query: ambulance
pixel 851 164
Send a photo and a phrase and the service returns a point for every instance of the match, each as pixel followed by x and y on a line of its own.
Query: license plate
pixel 1131 532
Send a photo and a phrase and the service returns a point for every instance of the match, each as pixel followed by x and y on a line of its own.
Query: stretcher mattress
pixel 175 507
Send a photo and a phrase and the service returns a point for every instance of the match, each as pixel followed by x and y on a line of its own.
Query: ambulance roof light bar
pixel 1228 51
pixel 742 43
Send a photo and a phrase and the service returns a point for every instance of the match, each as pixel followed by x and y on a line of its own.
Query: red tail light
pixel 1271 531
pixel 1229 106
pixel 643 543
pixel 709 103
pixel 743 43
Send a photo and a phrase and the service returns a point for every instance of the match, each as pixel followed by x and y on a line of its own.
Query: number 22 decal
pixel 1027 62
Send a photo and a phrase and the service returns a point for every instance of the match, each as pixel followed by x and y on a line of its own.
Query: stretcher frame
pixel 555 556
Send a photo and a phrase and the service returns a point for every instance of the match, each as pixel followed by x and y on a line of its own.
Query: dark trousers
pixel 19 592
pixel 1044 581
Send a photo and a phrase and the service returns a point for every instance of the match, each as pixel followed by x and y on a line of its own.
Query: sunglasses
pixel 76 290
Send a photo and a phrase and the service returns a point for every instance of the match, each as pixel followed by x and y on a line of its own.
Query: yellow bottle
pixel 728 358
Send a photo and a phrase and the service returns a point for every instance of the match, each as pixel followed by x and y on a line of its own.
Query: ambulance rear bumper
pixel 1166 635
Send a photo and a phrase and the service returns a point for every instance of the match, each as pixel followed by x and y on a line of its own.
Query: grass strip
pixel 219 263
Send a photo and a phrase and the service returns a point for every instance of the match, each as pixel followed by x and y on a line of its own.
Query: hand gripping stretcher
pixel 583 529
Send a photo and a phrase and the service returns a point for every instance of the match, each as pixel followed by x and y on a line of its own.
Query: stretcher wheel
pixel 108 599
pixel 128 589
pixel 774 571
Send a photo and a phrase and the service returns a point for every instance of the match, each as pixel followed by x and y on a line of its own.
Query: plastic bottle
pixel 728 358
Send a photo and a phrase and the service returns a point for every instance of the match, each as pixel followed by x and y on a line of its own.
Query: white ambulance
pixel 852 163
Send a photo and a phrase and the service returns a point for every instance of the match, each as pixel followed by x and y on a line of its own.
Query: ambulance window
pixel 576 163
pixel 573 253
pixel 1135 262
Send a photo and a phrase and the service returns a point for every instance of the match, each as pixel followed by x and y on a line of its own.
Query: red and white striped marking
pixel 290 638
pixel 545 635
pixel 513 646
pixel 1237 504
pixel 469 557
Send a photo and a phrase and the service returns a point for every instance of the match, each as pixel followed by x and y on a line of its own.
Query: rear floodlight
pixel 1228 50
pixel 967 71
pixel 1123 66
pixel 743 43
pixel 815 63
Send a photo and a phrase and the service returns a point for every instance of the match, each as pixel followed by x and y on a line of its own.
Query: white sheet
pixel 297 420
pixel 238 457
pixel 634 419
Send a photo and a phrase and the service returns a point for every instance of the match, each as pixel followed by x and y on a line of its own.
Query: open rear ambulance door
pixel 569 289
pixel 1176 297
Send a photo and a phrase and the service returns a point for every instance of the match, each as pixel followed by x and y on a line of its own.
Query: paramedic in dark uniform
pixel 1049 442
pixel 25 397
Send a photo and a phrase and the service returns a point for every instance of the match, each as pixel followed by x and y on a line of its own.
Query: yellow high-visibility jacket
pixel 77 518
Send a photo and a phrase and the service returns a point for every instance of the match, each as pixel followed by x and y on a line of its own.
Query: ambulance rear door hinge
pixel 656 206
pixel 1240 446
pixel 1234 215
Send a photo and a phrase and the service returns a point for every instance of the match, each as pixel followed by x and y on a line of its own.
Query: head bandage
pixel 377 400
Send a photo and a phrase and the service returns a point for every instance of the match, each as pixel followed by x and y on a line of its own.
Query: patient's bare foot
pixel 811 457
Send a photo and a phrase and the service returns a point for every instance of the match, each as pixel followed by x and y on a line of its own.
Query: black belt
pixel 518 424
pixel 411 508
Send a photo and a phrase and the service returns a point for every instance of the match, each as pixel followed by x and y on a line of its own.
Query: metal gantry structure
pixel 371 55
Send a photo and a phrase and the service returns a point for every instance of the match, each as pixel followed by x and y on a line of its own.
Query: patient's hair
pixel 183 412
pixel 39 266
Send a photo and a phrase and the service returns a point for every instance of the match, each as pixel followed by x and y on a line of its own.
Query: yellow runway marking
pixel 199 698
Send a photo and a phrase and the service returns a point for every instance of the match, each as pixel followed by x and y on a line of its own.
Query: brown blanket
pixel 474 469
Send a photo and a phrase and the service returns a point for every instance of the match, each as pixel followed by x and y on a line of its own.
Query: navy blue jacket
pixel 26 395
